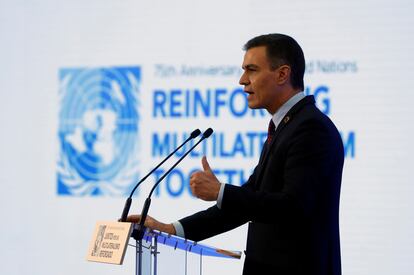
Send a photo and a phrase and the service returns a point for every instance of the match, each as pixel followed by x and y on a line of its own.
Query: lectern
pixel 155 251
pixel 148 253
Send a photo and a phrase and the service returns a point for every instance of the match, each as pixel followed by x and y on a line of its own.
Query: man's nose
pixel 243 80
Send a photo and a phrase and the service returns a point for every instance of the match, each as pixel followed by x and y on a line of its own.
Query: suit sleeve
pixel 214 221
pixel 313 152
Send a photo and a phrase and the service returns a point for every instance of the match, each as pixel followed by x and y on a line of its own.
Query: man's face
pixel 261 83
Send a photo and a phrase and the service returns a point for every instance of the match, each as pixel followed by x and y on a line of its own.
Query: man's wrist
pixel 170 229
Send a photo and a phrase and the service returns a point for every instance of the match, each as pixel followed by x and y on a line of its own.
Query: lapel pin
pixel 286 119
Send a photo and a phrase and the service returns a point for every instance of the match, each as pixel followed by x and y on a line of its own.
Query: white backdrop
pixel 359 60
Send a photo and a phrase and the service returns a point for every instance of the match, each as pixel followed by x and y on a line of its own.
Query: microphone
pixel 128 202
pixel 141 228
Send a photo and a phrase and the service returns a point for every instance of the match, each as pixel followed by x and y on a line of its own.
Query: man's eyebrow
pixel 250 66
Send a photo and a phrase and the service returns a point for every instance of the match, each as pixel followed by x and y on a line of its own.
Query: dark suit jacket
pixel 291 200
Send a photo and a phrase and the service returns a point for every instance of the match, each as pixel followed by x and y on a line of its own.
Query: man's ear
pixel 283 74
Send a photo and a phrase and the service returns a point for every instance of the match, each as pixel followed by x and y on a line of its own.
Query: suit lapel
pixel 285 121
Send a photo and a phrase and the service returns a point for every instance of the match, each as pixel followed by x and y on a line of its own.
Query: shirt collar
pixel 282 111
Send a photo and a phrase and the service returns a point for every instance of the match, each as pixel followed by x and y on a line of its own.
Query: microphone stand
pixel 139 232
pixel 128 202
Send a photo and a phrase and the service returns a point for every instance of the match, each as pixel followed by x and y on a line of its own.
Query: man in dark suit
pixel 291 200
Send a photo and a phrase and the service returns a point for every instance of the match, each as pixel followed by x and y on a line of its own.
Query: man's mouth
pixel 248 92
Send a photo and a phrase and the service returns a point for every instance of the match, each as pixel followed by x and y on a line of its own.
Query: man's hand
pixel 204 184
pixel 152 223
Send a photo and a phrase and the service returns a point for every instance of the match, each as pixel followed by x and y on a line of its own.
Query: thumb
pixel 206 166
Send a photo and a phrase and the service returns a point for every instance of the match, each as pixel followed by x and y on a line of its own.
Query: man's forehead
pixel 255 57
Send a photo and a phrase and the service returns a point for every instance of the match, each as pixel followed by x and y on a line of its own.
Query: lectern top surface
pixel 188 245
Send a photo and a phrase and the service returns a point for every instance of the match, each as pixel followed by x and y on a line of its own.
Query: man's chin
pixel 253 105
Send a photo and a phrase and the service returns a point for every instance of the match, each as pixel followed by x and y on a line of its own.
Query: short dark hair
pixel 281 50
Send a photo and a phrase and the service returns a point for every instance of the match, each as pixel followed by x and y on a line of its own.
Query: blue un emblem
pixel 98 131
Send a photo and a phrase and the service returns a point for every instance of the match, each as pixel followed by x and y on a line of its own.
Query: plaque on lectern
pixel 109 242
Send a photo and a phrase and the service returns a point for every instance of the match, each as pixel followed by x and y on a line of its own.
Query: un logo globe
pixel 98 130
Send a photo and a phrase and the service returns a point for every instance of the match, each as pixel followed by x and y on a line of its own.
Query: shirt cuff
pixel 179 230
pixel 220 195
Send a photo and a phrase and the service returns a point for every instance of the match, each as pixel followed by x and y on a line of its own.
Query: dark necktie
pixel 270 131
